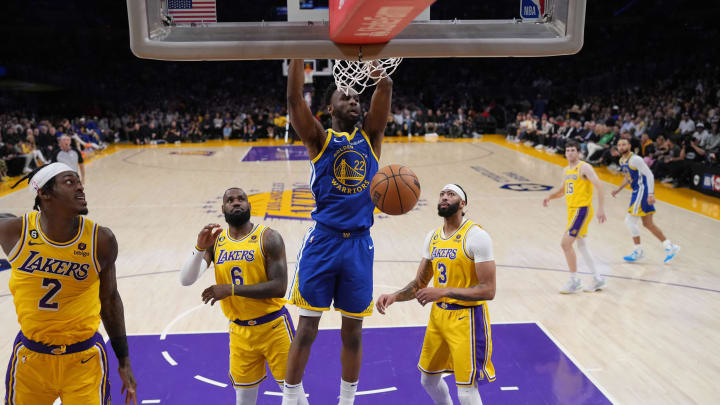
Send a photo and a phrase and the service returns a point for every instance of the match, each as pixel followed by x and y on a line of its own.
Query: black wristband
pixel 120 346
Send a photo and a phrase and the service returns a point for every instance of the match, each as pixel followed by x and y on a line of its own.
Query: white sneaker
pixel 596 285
pixel 635 256
pixel 571 287
pixel 539 147
pixel 671 253
pixel 528 143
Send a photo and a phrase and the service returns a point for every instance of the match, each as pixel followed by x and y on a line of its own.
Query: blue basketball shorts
pixel 335 268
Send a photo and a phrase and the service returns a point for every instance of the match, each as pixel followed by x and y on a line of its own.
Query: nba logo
pixel 532 10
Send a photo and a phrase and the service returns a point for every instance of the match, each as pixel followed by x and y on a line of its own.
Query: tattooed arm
pixel 422 279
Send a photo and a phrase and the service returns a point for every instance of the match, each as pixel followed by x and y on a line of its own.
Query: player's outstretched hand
pixel 601 216
pixel 385 301
pixel 207 235
pixel 129 386
pixel 216 292
pixel 614 193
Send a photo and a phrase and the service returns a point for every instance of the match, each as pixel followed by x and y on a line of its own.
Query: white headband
pixel 48 172
pixel 457 190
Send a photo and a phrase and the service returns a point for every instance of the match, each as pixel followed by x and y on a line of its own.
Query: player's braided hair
pixel 49 186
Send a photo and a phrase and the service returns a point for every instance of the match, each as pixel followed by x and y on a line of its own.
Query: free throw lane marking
pixel 169 359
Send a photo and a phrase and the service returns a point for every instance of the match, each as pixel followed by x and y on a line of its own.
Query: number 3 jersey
pixel 242 262
pixel 56 286
pixel 453 259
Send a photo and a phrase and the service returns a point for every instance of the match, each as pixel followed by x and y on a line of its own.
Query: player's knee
pixel 631 222
pixel 430 381
pixel 305 334
pixel 351 338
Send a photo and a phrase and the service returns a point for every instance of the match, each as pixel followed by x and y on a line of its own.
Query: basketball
pixel 395 189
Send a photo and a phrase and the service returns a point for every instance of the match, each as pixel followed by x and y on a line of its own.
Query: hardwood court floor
pixel 650 337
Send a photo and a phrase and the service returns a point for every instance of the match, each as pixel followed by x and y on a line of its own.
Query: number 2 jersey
pixel 242 262
pixel 56 286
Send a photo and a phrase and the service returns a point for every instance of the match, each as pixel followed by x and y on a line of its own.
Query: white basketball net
pixel 358 75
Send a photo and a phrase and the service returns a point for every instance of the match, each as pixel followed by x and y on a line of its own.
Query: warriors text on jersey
pixel 242 262
pixel 56 286
pixel 340 182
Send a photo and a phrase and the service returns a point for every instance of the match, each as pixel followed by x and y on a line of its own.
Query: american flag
pixel 188 11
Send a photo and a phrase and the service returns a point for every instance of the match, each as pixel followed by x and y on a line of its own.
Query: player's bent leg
pixel 436 387
pixel 247 365
pixel 469 395
pixel 85 378
pixel 246 396
pixel 29 378
pixel 300 348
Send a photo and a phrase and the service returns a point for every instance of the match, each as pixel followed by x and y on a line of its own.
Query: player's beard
pixel 449 211
pixel 237 219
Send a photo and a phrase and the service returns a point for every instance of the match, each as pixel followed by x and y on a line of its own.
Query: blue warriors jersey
pixel 340 181
pixel 56 286
pixel 637 180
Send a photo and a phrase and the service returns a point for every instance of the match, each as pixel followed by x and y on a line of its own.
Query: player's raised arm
pixel 112 312
pixel 376 119
pixel 307 127
pixel 422 279
pixel 276 270
pixel 10 229
pixel 589 173
pixel 195 266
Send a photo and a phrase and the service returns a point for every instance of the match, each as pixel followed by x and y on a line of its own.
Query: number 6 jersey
pixel 242 262
pixel 56 286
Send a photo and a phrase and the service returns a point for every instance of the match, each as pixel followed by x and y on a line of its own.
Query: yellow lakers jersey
pixel 578 190
pixel 242 262
pixel 452 265
pixel 56 286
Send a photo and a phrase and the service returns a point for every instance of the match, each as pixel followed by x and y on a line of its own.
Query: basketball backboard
pixel 286 29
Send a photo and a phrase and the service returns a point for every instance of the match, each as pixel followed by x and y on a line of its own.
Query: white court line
pixel 209 381
pixel 279 394
pixel 509 389
pixel 169 359
pixel 150 401
pixel 378 391
pixel 177 318
pixel 575 362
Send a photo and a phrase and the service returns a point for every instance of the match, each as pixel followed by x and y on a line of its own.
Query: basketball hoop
pixel 360 74
pixel 309 76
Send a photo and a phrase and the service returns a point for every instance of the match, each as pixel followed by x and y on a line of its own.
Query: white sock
pixel 574 277
pixel 587 257
pixel 436 387
pixel 347 392
pixel 246 396
pixel 469 396
pixel 291 394
pixel 638 248
pixel 667 244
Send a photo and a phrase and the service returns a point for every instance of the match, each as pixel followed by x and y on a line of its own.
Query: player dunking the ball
pixel 335 263
pixel 578 181
pixel 63 284
pixel 642 181
pixel 458 257
pixel 251 277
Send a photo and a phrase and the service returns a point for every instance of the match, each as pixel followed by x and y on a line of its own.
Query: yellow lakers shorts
pixel 579 220
pixel 39 377
pixel 254 344
pixel 458 340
